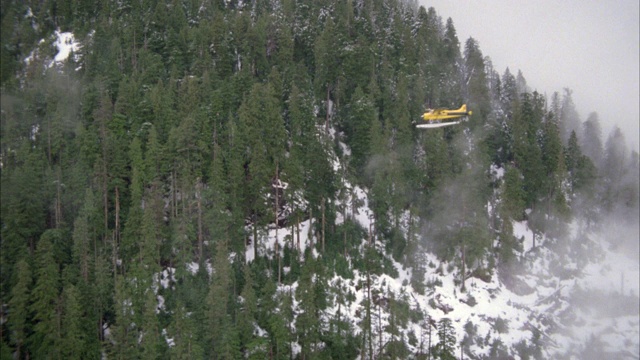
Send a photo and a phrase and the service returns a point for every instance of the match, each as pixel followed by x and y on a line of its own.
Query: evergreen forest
pixel 229 179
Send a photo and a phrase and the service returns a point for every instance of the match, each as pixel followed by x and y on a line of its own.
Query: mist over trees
pixel 136 174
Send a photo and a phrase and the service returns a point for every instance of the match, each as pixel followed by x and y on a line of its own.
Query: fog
pixel 589 46
pixel 592 261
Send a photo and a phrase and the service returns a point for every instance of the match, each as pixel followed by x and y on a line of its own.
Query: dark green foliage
pixel 307 323
pixel 74 338
pixel 221 335
pixel 582 171
pixel 445 348
pixel 18 322
pixel 45 339
pixel 513 194
pixel 185 132
pixel 183 332
pixel 124 332
pixel 527 151
pixel 362 115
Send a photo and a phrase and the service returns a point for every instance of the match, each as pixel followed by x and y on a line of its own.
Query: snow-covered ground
pixel 65 44
pixel 544 307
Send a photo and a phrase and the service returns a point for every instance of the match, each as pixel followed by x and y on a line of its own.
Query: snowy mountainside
pixel 551 307
pixel 245 180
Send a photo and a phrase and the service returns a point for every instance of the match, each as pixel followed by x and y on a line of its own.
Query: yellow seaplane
pixel 436 118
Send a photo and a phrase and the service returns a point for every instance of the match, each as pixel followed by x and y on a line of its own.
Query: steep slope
pixel 233 179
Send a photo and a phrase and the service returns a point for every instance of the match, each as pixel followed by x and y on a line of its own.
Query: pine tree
pixel 569 118
pixel 170 150
pixel 103 292
pixel 151 339
pixel 509 92
pixel 553 160
pixel 521 83
pixel 125 332
pixel 248 311
pixel 396 346
pixel 45 339
pixel 130 244
pixel 19 319
pixel 279 331
pixel 614 168
pixel 307 322
pixel 513 196
pixel 24 204
pixel 582 171
pixel 81 238
pixel 448 78
pixel 301 134
pixel 447 340
pixel 477 92
pixel 262 134
pixel 526 149
pixel 149 255
pixel 592 138
pixel 221 335
pixel 380 186
pixel 182 331
pixel 74 342
pixel 326 65
pixel 362 114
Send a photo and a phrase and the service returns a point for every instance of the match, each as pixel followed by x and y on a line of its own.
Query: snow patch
pixel 65 43
pixel 496 172
pixel 522 232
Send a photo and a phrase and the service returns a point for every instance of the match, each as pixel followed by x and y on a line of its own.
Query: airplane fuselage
pixel 444 114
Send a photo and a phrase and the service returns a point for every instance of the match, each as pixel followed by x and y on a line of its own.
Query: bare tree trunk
pixel 293 233
pixel 277 245
pixel 298 231
pixel 199 205
pixel 310 233
pixel 379 329
pixel 369 310
pixel 410 232
pixel 326 121
pixel 464 270
pixel 58 207
pixel 134 62
pixel 102 114
pixel 105 194
pixel 115 238
pixel 353 205
pixel 255 236
pixel 429 347
pixel 49 156
pixel 293 225
pixel 345 241
pixel 117 229
pixel 323 222
pixel 174 197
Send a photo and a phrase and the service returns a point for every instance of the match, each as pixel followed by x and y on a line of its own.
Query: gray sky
pixel 589 46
